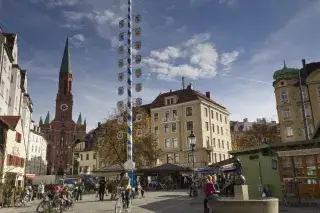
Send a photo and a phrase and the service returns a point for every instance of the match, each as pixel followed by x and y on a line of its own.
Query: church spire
pixel 41 121
pixel 47 120
pixel 66 63
pixel 79 122
pixel 85 122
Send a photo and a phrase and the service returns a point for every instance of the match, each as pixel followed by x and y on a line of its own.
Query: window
pixel 220 157
pixel 219 145
pixel 215 157
pixel 81 157
pixel 155 117
pixel 227 132
pixel 189 125
pixel 214 142
pixel 169 101
pixel 212 114
pixel 221 130
pixel 228 145
pixel 284 97
pixel 206 112
pixel 94 156
pixel 176 158
pixel 169 159
pixel 304 94
pixel 222 144
pixel 174 127
pixel 289 131
pixel 212 127
pixel 156 130
pixel 174 142
pixel 220 118
pixel 87 157
pixel 225 119
pixel 18 137
pixel 287 113
pixel 218 129
pixel 166 142
pixel 217 116
pixel 174 113
pixel 189 111
pixel 167 115
pixel 166 128
pixel 207 126
pixel 208 141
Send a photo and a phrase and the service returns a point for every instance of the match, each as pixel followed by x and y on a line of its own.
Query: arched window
pixel 65 87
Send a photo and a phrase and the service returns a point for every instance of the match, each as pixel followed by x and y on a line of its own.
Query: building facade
pixel 15 102
pixel 62 133
pixel 176 113
pixel 291 94
pixel 37 152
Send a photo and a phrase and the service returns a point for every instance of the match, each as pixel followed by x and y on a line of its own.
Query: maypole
pixel 129 165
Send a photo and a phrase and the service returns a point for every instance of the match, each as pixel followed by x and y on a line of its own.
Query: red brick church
pixel 62 133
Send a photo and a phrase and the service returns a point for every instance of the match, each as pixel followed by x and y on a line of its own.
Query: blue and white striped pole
pixel 129 90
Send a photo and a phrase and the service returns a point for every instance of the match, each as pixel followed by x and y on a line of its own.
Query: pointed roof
pixel 10 121
pixel 66 63
pixel 79 122
pixel 47 120
pixel 85 121
pixel 41 121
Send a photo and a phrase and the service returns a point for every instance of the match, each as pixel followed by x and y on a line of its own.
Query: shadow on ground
pixel 163 204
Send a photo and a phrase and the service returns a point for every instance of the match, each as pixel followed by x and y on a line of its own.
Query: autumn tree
pixel 110 139
pixel 257 135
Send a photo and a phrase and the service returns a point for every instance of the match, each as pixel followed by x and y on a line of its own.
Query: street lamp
pixel 192 143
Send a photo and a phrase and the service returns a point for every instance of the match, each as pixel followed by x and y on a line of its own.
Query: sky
pixel 228 47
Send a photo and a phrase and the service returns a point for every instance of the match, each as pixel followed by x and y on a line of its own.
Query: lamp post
pixel 192 143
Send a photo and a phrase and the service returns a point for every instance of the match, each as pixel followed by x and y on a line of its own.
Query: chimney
pixel 171 90
pixel 245 120
pixel 208 94
pixel 99 124
pixel 189 86
pixel 183 85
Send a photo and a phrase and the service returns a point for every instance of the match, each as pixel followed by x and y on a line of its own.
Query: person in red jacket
pixel 210 192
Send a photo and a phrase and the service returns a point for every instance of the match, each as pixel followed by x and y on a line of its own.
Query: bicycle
pixel 123 203
pixel 50 203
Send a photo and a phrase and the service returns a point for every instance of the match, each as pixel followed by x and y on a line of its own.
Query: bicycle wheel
pixel 18 202
pixel 119 205
pixel 43 207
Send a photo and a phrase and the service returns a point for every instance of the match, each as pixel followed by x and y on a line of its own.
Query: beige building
pixel 289 102
pixel 85 159
pixel 176 113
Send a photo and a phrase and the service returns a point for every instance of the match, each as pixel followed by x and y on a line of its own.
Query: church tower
pixel 62 133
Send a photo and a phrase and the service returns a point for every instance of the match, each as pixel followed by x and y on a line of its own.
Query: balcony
pixel 171 119
pixel 209 146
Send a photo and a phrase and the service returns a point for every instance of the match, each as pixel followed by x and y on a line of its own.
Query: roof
pixel 278 146
pixel 286 73
pixel 10 121
pixel 170 167
pixel 66 63
pixel 184 95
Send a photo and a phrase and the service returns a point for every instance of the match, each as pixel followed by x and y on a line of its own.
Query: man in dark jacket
pixel 102 188
pixel 80 189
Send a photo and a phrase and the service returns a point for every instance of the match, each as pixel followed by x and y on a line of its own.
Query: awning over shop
pixel 166 168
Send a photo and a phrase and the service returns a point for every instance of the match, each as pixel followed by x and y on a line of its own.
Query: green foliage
pixel 113 150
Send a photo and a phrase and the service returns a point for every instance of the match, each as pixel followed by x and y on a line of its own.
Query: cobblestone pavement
pixel 154 202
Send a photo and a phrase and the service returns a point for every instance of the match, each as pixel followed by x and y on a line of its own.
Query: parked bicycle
pixel 50 203
pixel 22 200
pixel 124 202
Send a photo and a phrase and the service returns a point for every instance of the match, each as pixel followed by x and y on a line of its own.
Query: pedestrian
pixel 40 190
pixel 80 189
pixel 210 193
pixel 102 188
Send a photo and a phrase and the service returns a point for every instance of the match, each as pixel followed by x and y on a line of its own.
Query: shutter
pixel 16 136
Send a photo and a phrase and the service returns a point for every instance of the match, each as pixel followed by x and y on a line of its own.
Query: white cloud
pixel 57 3
pixel 228 2
pixel 194 58
pixel 169 21
pixel 77 40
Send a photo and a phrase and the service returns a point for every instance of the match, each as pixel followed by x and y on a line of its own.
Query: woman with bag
pixel 210 192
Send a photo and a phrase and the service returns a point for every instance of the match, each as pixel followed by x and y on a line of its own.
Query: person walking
pixel 210 193
pixel 80 187
pixel 102 188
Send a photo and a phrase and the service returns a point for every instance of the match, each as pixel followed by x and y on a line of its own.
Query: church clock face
pixel 64 107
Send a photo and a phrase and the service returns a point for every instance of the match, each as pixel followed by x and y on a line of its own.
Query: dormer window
pixel 170 100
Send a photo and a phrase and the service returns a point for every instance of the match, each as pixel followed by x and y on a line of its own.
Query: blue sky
pixel 228 47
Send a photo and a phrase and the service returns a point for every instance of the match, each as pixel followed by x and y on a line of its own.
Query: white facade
pixel 15 151
pixel 14 99
pixel 37 152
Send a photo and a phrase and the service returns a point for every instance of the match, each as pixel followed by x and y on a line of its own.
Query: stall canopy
pixel 167 168
pixel 108 170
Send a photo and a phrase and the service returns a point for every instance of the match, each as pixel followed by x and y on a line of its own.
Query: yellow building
pixel 290 98
pixel 85 160
pixel 176 113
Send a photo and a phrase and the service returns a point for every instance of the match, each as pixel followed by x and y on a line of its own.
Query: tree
pixel 257 135
pixel 110 139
